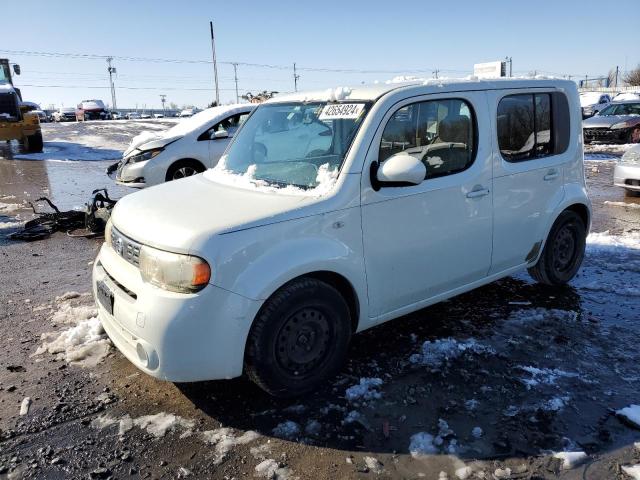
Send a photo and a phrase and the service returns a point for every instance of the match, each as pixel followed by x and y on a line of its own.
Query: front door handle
pixel 478 193
pixel 551 175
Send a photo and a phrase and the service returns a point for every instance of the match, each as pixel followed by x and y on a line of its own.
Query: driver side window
pixel 439 132
pixel 230 124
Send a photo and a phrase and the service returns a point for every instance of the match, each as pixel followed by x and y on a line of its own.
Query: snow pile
pixel 630 414
pixel 337 94
pixel 224 439
pixel 555 404
pixel 157 425
pixel 477 432
pixel 84 343
pixel 125 423
pixel 436 353
pixel 608 148
pixel 325 180
pixel 623 204
pixel 463 473
pixel 288 430
pixel 373 464
pixel 272 470
pixel 365 390
pixel 633 471
pixel 570 459
pixel 422 444
pixel 543 376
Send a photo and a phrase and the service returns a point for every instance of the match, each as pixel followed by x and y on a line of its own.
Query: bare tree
pixel 632 77
pixel 611 77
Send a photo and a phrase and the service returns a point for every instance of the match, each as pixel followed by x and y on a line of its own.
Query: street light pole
pixel 215 65
pixel 163 99
pixel 111 71
pixel 235 77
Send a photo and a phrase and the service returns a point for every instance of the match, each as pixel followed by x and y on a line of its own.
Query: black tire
pixel 183 169
pixel 33 143
pixel 563 251
pixel 299 338
pixel 631 193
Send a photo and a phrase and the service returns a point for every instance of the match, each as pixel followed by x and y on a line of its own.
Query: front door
pixel 425 240
pixel 217 146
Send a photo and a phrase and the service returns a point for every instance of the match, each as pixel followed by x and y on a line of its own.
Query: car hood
pixel 176 215
pixel 605 121
pixel 148 140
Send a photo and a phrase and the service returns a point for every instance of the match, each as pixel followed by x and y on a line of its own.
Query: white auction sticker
pixel 341 110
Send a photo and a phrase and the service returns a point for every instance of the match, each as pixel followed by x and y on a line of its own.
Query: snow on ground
pixel 544 376
pixel 422 444
pixel 10 207
pixel 571 459
pixel 367 389
pixel 630 414
pixel 632 470
pixel 623 204
pixel 157 425
pixel 613 148
pixel 84 343
pixel 437 353
pixel 272 470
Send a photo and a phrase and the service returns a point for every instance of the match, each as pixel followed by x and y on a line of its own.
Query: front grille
pixel 125 247
pixel 600 134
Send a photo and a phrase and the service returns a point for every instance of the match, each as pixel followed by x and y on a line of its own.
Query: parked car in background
pixel 626 96
pixel 91 110
pixel 42 115
pixel 626 173
pixel 190 147
pixel 187 112
pixel 116 116
pixel 331 213
pixel 145 115
pixel 592 102
pixel 65 114
pixel 158 115
pixel 133 116
pixel 619 122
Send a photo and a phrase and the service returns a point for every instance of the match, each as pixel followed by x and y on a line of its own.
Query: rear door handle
pixel 551 175
pixel 478 193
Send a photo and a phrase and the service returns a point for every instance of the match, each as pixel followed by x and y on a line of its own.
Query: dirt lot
pixel 495 380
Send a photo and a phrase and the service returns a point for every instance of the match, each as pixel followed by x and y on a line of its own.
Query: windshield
pixel 622 109
pixel 294 144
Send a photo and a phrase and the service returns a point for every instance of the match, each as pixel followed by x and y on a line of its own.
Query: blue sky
pixel 413 37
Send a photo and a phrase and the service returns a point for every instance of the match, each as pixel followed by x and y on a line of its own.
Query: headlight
pixel 173 271
pixel 631 157
pixel 145 155
pixel 107 232
pixel 618 125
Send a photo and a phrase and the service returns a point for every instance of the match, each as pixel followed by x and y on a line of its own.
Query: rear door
pixel 529 154
pixel 424 240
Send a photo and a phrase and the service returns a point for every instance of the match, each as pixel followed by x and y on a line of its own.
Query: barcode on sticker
pixel 341 110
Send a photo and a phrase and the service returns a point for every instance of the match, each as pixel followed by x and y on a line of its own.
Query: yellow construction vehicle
pixel 17 120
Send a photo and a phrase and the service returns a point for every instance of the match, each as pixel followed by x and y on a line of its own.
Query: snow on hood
pixel 200 121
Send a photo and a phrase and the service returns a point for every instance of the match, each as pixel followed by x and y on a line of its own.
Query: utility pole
pixel 163 98
pixel 296 77
pixel 111 71
pixel 435 73
pixel 235 78
pixel 215 65
pixel 509 60
pixel 617 69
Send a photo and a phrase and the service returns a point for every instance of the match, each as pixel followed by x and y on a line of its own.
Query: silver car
pixel 627 172
pixel 619 122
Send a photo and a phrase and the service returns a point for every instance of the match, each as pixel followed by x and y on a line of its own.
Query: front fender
pixel 256 262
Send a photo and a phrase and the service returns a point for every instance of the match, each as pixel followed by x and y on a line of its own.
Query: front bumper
pixel 131 174
pixel 172 336
pixel 627 176
pixel 606 135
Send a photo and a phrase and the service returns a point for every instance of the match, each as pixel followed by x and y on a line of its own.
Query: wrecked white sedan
pixel 192 146
pixel 332 212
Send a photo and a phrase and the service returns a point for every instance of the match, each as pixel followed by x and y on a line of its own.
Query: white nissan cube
pixel 331 212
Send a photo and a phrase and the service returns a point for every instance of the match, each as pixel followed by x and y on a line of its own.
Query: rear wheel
pixel 299 339
pixel 33 143
pixel 563 252
pixel 183 169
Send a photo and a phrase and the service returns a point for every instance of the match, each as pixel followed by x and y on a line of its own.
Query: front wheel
pixel 563 252
pixel 183 169
pixel 299 339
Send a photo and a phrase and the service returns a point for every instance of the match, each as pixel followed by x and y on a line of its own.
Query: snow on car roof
pixel 375 91
pixel 207 116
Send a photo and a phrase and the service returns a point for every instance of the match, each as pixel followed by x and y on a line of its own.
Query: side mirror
pixel 16 69
pixel 400 170
pixel 219 134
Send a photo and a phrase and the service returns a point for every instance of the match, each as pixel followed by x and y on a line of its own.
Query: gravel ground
pixel 495 380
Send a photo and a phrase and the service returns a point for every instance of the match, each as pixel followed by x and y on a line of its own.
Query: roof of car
pixel 375 91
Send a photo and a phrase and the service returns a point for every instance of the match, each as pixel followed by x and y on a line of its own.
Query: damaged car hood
pixel 148 140
pixel 605 121
pixel 175 215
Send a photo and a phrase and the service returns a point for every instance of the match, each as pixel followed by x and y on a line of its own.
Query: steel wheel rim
pixel 564 248
pixel 302 344
pixel 183 172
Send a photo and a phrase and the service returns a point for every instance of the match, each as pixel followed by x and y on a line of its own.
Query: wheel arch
pixel 182 160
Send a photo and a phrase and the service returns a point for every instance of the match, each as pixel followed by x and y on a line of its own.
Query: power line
pixel 123 87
